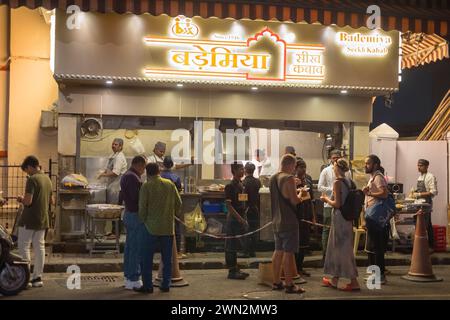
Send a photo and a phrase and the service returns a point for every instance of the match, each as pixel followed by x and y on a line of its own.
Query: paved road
pixel 212 284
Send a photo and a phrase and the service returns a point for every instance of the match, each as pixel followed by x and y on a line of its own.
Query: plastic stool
pixel 358 233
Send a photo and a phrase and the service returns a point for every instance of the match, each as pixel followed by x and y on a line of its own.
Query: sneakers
pixel 37 283
pixel 130 285
pixel 164 289
pixel 143 290
pixel 237 275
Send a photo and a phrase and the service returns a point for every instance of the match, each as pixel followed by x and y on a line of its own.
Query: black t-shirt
pixel 252 186
pixel 232 191
pixel 304 209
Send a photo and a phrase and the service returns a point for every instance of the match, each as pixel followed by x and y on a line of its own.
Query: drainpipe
pixel 4 68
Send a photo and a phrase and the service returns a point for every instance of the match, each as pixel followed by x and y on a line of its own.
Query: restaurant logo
pixel 184 27
pixel 357 44
pixel 264 56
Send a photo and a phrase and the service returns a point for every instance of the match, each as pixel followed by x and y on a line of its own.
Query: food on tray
pixel 74 180
pixel 212 187
pixel 104 211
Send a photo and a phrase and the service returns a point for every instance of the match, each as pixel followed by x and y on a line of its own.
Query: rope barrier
pixel 242 235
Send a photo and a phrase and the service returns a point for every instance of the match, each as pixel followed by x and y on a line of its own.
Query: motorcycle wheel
pixel 11 283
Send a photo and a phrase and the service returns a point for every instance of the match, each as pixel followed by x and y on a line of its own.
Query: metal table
pixel 405 217
pixel 94 239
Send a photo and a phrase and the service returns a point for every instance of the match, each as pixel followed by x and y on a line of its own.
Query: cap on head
pixel 160 145
pixel 260 152
pixel 290 150
pixel 118 141
pixel 423 162
pixel 336 152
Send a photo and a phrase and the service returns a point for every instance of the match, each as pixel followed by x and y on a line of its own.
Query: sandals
pixel 293 289
pixel 350 288
pixel 327 283
pixel 277 286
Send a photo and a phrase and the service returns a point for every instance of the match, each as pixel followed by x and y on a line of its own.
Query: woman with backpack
pixel 339 258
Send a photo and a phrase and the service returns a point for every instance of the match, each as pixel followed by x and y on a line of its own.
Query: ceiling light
pixel 254 88
pixel 180 85
pixel 109 82
pixel 344 91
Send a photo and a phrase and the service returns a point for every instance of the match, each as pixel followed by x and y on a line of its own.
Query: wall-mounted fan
pixel 91 128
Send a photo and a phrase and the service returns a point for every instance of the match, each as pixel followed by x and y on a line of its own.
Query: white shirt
pixel 326 181
pixel 430 183
pixel 267 168
pixel 155 159
pixel 120 165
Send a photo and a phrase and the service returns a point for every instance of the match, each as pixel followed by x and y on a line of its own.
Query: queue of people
pixel 151 208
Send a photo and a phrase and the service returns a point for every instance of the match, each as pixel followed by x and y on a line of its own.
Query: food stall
pixel 216 88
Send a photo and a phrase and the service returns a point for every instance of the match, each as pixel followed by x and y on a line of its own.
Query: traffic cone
pixel 177 279
pixel 421 269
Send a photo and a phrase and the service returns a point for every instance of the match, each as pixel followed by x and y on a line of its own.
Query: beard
pixel 368 170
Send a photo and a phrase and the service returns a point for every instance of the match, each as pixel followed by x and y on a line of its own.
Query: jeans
pixel 26 237
pixel 131 257
pixel 148 247
pixel 326 231
pixel 300 258
pixel 376 247
pixel 250 241
pixel 232 245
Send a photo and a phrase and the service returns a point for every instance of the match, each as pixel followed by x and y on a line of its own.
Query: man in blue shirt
pixel 130 185
pixel 167 172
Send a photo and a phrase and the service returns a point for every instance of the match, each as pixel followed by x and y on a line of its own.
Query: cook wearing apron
pixel 116 167
pixel 158 157
pixel 426 189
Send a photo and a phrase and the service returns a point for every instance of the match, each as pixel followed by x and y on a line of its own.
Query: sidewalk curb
pixel 109 266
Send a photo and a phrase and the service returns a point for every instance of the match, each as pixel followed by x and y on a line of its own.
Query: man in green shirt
pixel 34 219
pixel 159 202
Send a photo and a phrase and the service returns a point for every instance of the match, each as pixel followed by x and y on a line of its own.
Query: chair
pixel 359 231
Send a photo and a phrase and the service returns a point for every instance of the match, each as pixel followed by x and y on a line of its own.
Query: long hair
pixel 377 161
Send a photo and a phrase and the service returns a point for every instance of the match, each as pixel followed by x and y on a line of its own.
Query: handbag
pixel 379 215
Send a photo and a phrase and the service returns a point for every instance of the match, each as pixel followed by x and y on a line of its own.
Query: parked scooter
pixel 14 270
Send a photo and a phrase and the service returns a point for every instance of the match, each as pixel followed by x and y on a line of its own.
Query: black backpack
pixel 351 209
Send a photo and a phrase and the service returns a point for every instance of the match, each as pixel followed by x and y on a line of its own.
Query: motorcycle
pixel 14 270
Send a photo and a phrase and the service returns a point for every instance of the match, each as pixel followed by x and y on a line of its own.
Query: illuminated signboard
pixel 215 51
pixel 265 56
pixel 357 44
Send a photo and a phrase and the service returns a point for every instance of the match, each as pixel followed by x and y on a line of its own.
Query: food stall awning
pixel 403 15
pixel 419 49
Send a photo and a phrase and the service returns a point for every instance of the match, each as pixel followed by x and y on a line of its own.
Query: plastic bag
pixel 137 146
pixel 394 233
pixel 214 226
pixel 195 220
pixel 74 180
